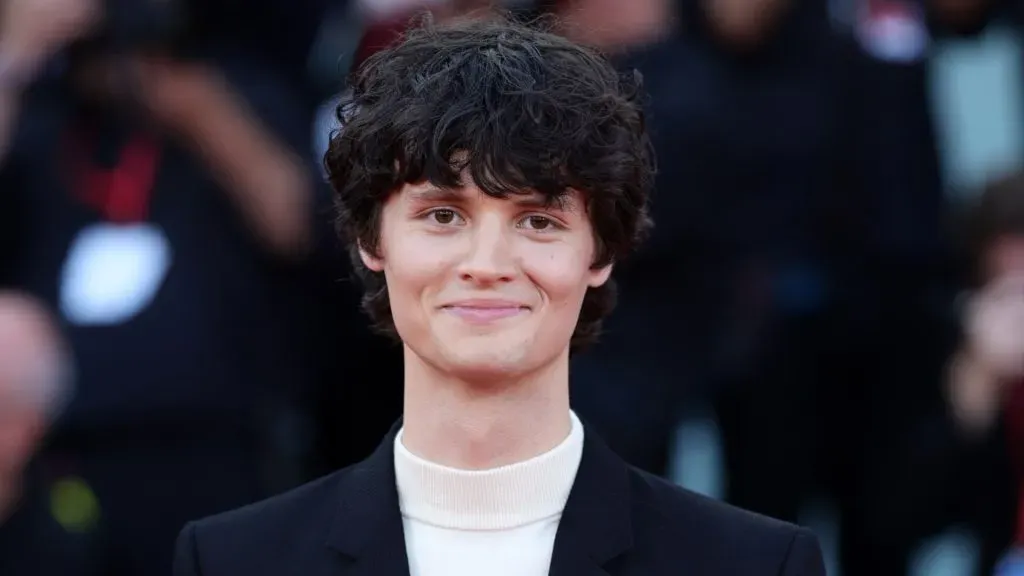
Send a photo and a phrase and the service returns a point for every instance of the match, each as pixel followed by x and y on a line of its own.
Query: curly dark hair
pixel 518 108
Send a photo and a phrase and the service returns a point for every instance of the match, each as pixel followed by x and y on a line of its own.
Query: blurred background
pixel 826 327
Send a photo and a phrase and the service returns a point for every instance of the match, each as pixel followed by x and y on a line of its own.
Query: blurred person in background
pixel 985 376
pixel 888 328
pixel 758 225
pixel 157 192
pixel 882 352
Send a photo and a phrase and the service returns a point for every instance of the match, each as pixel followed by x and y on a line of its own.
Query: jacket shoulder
pixel 715 536
pixel 271 531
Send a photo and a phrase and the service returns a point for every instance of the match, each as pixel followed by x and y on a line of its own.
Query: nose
pixel 490 258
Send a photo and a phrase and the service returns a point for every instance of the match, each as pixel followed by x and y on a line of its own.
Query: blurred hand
pixel 995 327
pixel 21 428
pixel 195 104
pixel 172 91
pixel 33 30
pixel 975 397
pixel 744 23
pixel 29 386
pixel 991 362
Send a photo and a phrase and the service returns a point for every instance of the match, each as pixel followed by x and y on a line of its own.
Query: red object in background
pixel 1015 429
pixel 120 194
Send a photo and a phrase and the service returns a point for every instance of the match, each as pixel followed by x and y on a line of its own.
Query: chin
pixel 486 363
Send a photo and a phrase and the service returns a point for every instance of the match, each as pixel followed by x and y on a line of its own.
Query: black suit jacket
pixel 618 521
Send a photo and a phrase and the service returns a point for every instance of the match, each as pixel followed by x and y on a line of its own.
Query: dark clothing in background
pixel 147 483
pixel 757 154
pixel 773 188
pixel 178 409
pixel 278 32
pixel 1015 442
pixel 212 339
pixel 888 328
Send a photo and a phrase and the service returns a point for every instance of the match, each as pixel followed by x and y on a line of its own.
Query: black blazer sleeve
pixel 804 557
pixel 186 560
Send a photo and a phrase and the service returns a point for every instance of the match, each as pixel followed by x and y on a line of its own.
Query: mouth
pixel 479 312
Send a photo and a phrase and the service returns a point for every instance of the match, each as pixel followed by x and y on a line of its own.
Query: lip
pixel 482 311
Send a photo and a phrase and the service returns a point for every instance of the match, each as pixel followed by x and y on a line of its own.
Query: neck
pixel 471 426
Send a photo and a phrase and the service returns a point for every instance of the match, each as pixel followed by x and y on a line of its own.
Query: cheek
pixel 413 266
pixel 561 274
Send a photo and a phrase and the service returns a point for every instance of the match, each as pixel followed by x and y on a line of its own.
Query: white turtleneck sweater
pixel 499 522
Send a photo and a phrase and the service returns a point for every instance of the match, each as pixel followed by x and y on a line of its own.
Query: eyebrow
pixel 529 200
pixel 435 194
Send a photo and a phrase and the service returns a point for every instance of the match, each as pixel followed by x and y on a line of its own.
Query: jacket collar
pixel 595 525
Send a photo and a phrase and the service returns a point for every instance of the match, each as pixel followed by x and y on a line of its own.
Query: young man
pixel 488 175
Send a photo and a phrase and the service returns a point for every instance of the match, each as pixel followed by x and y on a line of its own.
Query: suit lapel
pixel 367 530
pixel 595 526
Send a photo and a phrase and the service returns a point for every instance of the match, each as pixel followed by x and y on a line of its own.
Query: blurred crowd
pixel 827 325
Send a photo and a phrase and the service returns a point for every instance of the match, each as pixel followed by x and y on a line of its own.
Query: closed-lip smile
pixel 485 310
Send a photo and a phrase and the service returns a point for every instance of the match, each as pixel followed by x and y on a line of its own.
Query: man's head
pixel 487 164
pixel 33 383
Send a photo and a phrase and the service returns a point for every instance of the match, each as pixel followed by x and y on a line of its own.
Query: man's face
pixel 483 288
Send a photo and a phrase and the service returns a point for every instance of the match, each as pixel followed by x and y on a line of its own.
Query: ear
pixel 374 263
pixel 598 276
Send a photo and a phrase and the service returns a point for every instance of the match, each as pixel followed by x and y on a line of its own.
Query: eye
pixel 444 216
pixel 537 223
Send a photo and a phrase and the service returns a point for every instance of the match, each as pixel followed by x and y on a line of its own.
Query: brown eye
pixel 538 223
pixel 444 216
